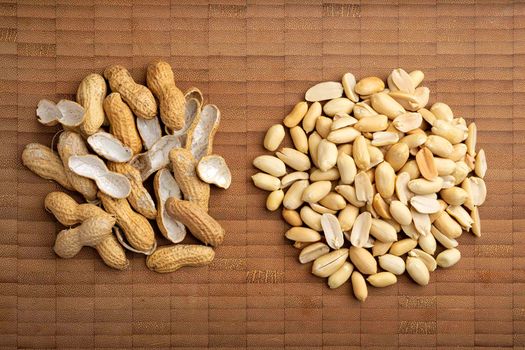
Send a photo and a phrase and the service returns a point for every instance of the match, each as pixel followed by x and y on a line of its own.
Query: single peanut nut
pixel 397 155
pixel 271 165
pixel 328 264
pixel 476 223
pixel 461 216
pixel 90 95
pixel 172 258
pixel 364 191
pixel 161 82
pixel 363 260
pixel 448 258
pixel 324 91
pixel 91 232
pixel 338 278
pixel 400 80
pixel 291 178
pixel 400 213
pixel 326 155
pixel 385 178
pixel 122 122
pixel 45 163
pixel 347 217
pixel 329 175
pixel 299 138
pixel 381 248
pixel 338 105
pixel 360 153
pixel 361 230
pixel 311 218
pixel 311 116
pixel 294 159
pixel 291 217
pixel 442 111
pixel 138 97
pixel 381 207
pixel 72 144
pixel 454 195
pixel 302 234
pixel 428 243
pixel 349 83
pixel 384 104
pixel 402 246
pixel 392 263
pixel 417 270
pixel 439 146
pixel 323 126
pixel 312 252
pixel 423 186
pixel 448 131
pixel 316 191
pixel 274 200
pixel 313 144
pixel 136 227
pixel 333 201
pixel 359 286
pixel 369 86
pixel 448 226
pixel 382 279
pixel 426 165
pixel 197 220
pixel 372 124
pixel 383 231
pixel 274 136
pixel 293 197
pixel 296 115
pixel 343 135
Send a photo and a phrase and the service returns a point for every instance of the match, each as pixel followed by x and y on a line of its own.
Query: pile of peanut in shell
pixel 110 145
pixel 376 183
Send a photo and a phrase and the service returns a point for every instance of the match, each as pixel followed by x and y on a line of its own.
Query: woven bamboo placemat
pixel 255 60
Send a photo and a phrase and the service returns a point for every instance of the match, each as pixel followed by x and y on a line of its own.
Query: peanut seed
pixel 448 258
pixel 311 116
pixel 382 279
pixel 363 260
pixel 312 252
pixel 296 115
pixel 274 136
pixel 342 275
pixel 329 263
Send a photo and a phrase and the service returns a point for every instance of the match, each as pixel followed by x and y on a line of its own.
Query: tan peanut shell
pixel 184 168
pixel 139 197
pixel 170 259
pixel 136 227
pixel 165 186
pixel 42 161
pixel 72 144
pixel 67 211
pixel 90 233
pixel 122 122
pixel 112 253
pixel 161 82
pixel 90 94
pixel 138 97
pixel 200 135
pixel 197 220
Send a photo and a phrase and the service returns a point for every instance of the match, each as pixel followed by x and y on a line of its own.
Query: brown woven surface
pixel 255 62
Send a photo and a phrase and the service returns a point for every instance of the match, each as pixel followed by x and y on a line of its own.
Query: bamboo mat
pixel 255 60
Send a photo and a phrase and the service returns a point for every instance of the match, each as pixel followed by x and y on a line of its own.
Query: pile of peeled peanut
pixel 376 183
pixel 110 146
